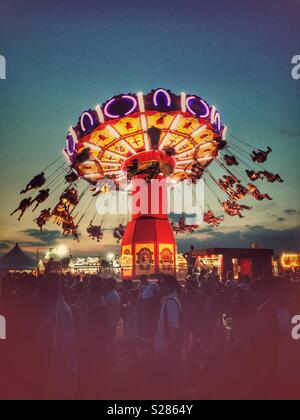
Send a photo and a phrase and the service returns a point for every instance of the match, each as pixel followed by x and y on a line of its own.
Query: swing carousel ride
pixel 134 137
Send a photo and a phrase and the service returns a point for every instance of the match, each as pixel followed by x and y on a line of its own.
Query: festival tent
pixel 16 259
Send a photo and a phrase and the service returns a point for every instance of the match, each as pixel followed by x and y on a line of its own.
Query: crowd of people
pixel 74 337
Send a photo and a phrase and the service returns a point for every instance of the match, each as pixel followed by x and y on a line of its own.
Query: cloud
pixel 44 238
pixel 33 244
pixel 289 133
pixel 176 217
pixel 5 245
pixel 290 211
pixel 279 240
pixel 255 228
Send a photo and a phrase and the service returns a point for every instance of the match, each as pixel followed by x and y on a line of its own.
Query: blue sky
pixel 66 56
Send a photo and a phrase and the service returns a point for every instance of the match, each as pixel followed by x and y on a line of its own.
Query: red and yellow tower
pixel 149 245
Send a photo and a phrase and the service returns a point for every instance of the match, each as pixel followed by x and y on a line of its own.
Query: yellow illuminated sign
pixel 290 260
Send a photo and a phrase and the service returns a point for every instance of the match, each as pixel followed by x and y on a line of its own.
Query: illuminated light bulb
pixel 61 250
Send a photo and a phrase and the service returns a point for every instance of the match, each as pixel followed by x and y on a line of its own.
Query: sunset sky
pixel 64 57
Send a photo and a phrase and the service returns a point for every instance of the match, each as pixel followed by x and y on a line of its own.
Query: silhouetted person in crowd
pixel 230 282
pixel 149 308
pixel 132 325
pixel 143 284
pixel 19 357
pixel 191 259
pixel 112 301
pixel 168 341
pixel 196 341
pixel 56 338
pixel 94 338
pixel 192 318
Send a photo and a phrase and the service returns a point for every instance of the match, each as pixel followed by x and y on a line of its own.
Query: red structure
pixel 136 138
pixel 149 245
pixel 129 139
pixel 253 262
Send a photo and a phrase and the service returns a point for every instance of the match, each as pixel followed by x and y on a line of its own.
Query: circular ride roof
pixel 113 133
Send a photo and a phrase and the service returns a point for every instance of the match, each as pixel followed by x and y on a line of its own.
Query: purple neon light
pixel 134 102
pixel 193 98
pixel 217 121
pixel 71 144
pixel 165 93
pixel 82 121
pixel 106 109
pixel 67 154
pixel 107 106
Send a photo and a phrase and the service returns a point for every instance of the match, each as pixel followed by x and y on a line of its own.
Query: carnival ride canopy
pixel 159 133
pixel 119 130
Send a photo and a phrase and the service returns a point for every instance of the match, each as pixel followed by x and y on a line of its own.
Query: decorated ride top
pixel 108 139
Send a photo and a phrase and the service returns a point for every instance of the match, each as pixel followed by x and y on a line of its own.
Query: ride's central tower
pixel 149 245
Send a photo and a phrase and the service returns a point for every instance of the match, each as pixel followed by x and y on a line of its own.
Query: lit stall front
pixel 253 262
pixel 85 265
pixel 290 261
